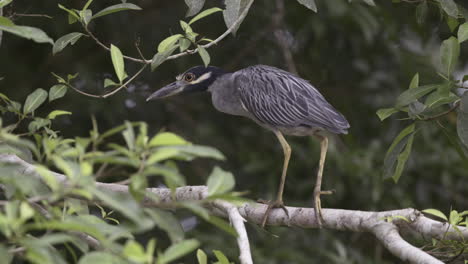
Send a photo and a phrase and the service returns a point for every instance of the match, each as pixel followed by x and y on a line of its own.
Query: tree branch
pixel 338 219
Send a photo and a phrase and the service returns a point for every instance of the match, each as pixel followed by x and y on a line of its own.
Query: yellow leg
pixel 279 198
pixel 318 183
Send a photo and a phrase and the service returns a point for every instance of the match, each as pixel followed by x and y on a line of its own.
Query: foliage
pixel 46 222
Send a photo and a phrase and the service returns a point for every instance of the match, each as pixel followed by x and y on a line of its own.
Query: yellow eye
pixel 189 77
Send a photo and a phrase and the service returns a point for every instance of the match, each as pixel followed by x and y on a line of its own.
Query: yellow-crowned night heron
pixel 274 99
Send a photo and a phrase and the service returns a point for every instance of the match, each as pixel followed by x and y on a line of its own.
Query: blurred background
pixel 359 57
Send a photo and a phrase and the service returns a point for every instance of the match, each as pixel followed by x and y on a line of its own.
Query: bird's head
pixel 196 79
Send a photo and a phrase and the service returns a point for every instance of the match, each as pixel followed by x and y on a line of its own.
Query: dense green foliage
pixel 361 55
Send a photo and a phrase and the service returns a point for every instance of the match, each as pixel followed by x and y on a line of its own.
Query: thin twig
pixel 32 15
pixel 455 106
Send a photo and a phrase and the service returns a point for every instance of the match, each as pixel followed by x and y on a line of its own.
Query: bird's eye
pixel 189 77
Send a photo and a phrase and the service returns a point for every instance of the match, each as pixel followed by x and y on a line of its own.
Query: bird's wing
pixel 279 98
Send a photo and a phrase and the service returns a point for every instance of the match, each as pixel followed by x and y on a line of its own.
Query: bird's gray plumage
pixel 276 99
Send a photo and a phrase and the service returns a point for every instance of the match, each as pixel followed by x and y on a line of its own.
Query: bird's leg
pixel 278 203
pixel 318 183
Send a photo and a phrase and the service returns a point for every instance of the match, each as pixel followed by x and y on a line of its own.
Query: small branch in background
pixel 32 15
pixel 453 108
pixel 279 32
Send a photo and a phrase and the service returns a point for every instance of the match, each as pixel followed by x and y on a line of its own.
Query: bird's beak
pixel 168 90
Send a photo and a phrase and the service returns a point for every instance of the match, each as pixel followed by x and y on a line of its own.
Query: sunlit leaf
pixel 63 41
pixel 220 181
pixel 116 8
pixel 204 55
pixel 134 251
pixel 435 212
pixel 57 91
pixel 463 32
pixel 34 100
pixel 194 6
pixel 167 139
pixel 26 32
pixel 168 43
pixel 450 7
pixel 222 259
pixel 414 82
pixel 118 62
pixel 309 4
pixel 56 113
pixel 201 257
pixel 4 2
pixel 178 250
pixel 205 13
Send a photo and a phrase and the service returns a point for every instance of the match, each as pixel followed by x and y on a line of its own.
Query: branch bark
pixel 346 220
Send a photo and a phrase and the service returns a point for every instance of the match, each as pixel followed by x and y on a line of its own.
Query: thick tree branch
pixel 338 219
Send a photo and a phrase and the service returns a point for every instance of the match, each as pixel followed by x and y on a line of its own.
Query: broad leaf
pixel 4 2
pixel 220 181
pixel 450 7
pixel 116 8
pixel 205 13
pixel 118 62
pixel 384 113
pixel 462 120
pixel 57 91
pixel 412 95
pixel 134 251
pixel 201 257
pixel 435 212
pixel 231 13
pixel 204 55
pixel 463 32
pixel 26 32
pixel 168 43
pixel 167 222
pixel 449 52
pixel 309 4
pixel 178 250
pixel 160 57
pixel 194 6
pixel 414 82
pixel 63 41
pixel 166 139
pixel 398 151
pixel 34 100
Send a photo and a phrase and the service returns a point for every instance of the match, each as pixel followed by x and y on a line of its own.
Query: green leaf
pixel 160 57
pixel 63 41
pixel 220 181
pixel 449 53
pixel 412 95
pixel 450 7
pixel 167 222
pixel 118 62
pixel 162 154
pixel 56 113
pixel 184 44
pixel 414 82
pixel 72 13
pixel 200 151
pixel 201 257
pixel 435 212
pixel 108 82
pixel 168 43
pixel 204 55
pixel 421 12
pixel 129 136
pixel 309 4
pixel 4 3
pixel 134 251
pixel 194 6
pixel 178 250
pixel 57 91
pixel 101 258
pixel 167 139
pixel 384 113
pixel 26 32
pixel 205 13
pixel 116 8
pixel 231 13
pixel 463 32
pixel 34 100
pixel 369 2
pixel 462 120
pixel 398 153
pixel 86 16
pixel 223 225
pixel 222 259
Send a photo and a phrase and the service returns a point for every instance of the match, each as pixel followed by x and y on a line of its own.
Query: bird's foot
pixel 318 204
pixel 271 205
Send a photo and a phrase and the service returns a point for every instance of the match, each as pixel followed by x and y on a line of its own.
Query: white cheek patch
pixel 202 78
